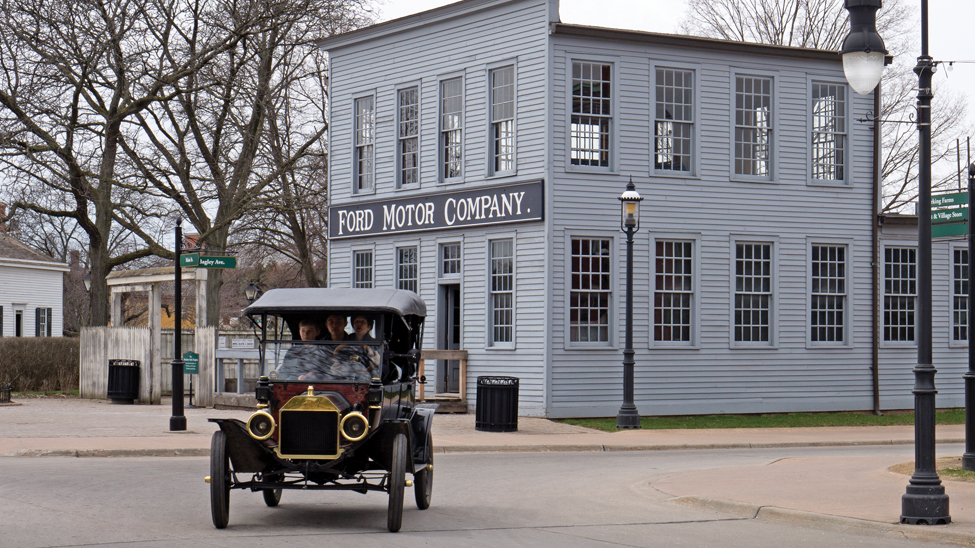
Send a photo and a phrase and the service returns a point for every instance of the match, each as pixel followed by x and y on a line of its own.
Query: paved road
pixel 563 500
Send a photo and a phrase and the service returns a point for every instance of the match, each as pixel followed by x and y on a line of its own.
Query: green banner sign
pixel 191 363
pixel 949 215
pixel 946 200
pixel 948 229
pixel 207 261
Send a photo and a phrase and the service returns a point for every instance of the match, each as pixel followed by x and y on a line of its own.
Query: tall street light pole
pixel 177 422
pixel 925 501
pixel 628 416
pixel 968 459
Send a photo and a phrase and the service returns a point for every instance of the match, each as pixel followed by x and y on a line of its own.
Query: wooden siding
pixel 31 288
pixel 713 376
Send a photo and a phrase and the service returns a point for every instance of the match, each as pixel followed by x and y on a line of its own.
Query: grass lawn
pixel 783 420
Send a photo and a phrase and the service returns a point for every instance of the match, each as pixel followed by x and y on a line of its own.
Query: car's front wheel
pixel 423 480
pixel 219 480
pixel 397 484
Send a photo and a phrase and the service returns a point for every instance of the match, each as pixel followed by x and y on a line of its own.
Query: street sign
pixel 946 200
pixel 949 215
pixel 207 261
pixel 948 229
pixel 191 363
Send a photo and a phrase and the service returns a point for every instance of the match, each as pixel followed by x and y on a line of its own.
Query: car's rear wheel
pixel 397 484
pixel 423 480
pixel 272 497
pixel 219 480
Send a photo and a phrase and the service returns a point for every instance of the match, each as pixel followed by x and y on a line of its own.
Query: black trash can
pixel 123 381
pixel 497 404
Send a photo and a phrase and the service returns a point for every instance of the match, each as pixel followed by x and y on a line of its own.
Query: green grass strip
pixel 783 420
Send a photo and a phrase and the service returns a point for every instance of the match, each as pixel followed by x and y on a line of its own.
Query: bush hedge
pixel 39 363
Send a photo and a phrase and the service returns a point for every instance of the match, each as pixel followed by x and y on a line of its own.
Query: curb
pixel 921 533
pixel 537 448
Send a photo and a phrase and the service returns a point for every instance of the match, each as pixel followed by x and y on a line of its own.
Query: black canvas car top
pixel 285 300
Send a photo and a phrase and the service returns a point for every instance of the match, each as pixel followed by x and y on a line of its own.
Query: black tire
pixel 423 480
pixel 397 484
pixel 219 480
pixel 272 497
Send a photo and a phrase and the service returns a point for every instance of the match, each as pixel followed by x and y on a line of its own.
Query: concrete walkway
pixel 855 494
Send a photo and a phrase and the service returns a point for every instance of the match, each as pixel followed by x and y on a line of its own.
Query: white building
pixel 31 291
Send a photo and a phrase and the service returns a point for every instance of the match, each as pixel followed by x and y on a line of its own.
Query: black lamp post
pixel 251 291
pixel 968 459
pixel 925 501
pixel 628 416
pixel 177 422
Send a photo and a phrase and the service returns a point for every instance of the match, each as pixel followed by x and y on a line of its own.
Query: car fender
pixel 421 423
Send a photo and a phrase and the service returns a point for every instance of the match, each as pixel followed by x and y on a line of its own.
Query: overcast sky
pixel 950 25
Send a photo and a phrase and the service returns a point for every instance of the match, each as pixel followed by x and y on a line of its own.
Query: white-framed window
pixel 829 128
pixel 362 268
pixel 959 294
pixel 673 292
pixel 592 114
pixel 365 141
pixel 502 112
pixel 828 281
pixel 673 120
pixel 754 290
pixel 450 266
pixel 407 268
pixel 753 126
pixel 502 292
pixel 900 293
pixel 451 129
pixel 408 137
pixel 591 290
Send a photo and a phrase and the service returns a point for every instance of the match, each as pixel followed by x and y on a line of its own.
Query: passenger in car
pixel 303 361
pixel 361 326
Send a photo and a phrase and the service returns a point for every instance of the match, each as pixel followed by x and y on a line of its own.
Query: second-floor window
pixel 362 269
pixel 592 113
pixel 959 295
pixel 408 137
pixel 365 125
pixel 674 120
pixel 900 293
pixel 502 120
pixel 451 128
pixel 828 131
pixel 753 126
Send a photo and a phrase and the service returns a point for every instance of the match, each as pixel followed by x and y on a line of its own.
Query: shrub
pixel 39 363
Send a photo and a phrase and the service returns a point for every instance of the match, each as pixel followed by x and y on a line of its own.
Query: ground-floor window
pixel 502 291
pixel 406 268
pixel 828 293
pixel 753 292
pixel 900 293
pixel 673 295
pixel 591 290
pixel 959 294
pixel 362 269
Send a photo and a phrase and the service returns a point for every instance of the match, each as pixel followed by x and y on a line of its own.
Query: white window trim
pixel 452 240
pixel 614 295
pixel 695 172
pixel 489 343
pixel 850 292
pixel 952 343
pixel 463 129
pixel 695 239
pixel 419 136
pixel 881 289
pixel 489 172
pixel 352 253
pixel 402 245
pixel 773 343
pixel 614 132
pixel 375 136
pixel 847 163
pixel 776 115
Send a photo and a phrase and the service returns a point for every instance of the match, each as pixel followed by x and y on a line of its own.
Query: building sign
pixel 949 215
pixel 483 206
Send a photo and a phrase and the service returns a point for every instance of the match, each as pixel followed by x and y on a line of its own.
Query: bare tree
pixel 72 75
pixel 823 24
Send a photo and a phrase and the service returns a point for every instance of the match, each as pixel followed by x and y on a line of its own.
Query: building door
pixel 18 323
pixel 448 338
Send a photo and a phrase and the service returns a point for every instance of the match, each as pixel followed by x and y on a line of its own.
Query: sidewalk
pixel 854 494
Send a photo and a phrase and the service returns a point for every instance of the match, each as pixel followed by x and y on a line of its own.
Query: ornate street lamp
pixel 628 416
pixel 925 501
pixel 251 291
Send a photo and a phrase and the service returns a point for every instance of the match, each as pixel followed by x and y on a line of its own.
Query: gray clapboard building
pixel 478 151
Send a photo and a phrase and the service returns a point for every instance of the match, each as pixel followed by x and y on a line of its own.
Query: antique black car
pixel 336 407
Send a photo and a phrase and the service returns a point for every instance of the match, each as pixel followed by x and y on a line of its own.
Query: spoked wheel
pixel 219 480
pixel 272 497
pixel 397 484
pixel 423 480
